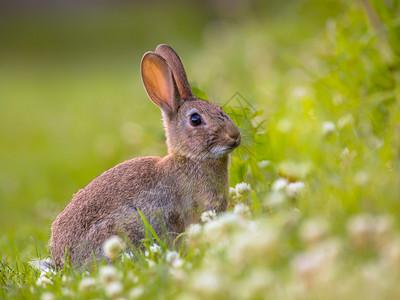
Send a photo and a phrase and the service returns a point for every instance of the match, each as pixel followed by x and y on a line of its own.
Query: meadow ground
pixel 315 185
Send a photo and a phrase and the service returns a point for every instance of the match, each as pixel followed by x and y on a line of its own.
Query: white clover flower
pixel 314 230
pixel 178 274
pixel 173 258
pixel 328 128
pixel 66 279
pixel 207 216
pixel 171 255
pixel 194 231
pixel 132 277
pixel 151 263
pixel 194 234
pixel 252 226
pixel 136 292
pixel 48 272
pixel 242 210
pixel 206 283
pixel 44 265
pixel 360 229
pixel 275 199
pixel 108 274
pixel 366 228
pixel 280 184
pixel 232 193
pixel 129 255
pixel 243 188
pixel 253 245
pixel 177 263
pixel 87 284
pixel 218 229
pixel 212 230
pixel 113 246
pixel 230 221
pixel 307 265
pixel 155 250
pixel 295 188
pixel 300 92
pixel 47 296
pixel 126 256
pixel 67 292
pixel 44 281
pixel 114 289
pixel 317 265
pixel 361 178
pixel 263 164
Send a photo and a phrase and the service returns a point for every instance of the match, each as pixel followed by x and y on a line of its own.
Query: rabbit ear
pixel 177 69
pixel 159 82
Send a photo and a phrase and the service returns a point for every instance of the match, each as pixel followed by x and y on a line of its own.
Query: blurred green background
pixel 72 102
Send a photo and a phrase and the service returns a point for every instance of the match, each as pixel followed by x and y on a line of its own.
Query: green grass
pixel 324 87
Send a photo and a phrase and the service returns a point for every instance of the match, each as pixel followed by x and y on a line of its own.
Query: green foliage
pixel 198 93
pixel 315 184
pixel 150 233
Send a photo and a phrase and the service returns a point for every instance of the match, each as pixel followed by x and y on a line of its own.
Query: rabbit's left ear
pixel 159 82
pixel 177 69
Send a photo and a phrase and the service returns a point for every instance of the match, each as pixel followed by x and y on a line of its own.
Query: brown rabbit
pixel 171 192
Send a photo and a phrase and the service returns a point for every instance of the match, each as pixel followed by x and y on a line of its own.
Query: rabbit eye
pixel 195 119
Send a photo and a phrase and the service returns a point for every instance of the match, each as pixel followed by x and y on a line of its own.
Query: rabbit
pixel 172 191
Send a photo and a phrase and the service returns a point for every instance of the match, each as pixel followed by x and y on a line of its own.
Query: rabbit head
pixel 194 128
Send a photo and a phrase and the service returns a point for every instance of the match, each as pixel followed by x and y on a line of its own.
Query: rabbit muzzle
pixel 233 136
pixel 232 140
pixel 236 138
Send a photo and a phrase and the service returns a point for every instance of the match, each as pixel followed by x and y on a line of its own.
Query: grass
pixel 320 151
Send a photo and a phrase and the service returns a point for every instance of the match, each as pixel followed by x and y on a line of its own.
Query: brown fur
pixel 171 192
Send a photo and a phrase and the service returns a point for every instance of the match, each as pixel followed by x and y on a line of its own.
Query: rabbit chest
pixel 200 186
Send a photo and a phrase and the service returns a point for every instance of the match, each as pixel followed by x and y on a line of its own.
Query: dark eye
pixel 195 119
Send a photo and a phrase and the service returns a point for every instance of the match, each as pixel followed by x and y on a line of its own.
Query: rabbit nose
pixel 234 133
pixel 236 137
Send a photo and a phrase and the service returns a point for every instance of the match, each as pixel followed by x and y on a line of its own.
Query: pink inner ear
pixel 158 81
pixel 178 71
